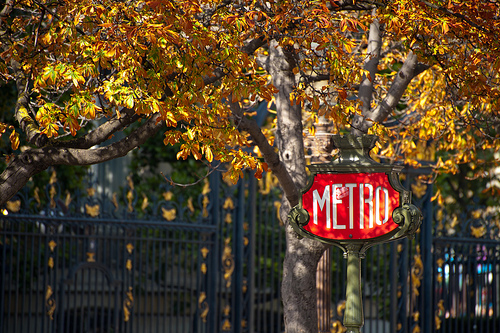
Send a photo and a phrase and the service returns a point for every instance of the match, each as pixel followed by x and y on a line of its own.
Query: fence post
pixel 404 267
pixel 214 259
pixel 426 248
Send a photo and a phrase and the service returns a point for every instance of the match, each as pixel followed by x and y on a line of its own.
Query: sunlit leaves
pixel 13 137
pixel 186 60
pixel 14 140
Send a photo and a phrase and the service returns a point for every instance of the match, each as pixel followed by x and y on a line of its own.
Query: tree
pixel 416 73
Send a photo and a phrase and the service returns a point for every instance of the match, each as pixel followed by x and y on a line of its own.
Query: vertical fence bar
pixel 404 270
pixel 281 251
pixel 259 267
pixel 393 276
pixel 494 292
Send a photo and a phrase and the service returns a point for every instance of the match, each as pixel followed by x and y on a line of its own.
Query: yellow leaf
pixel 437 195
pixel 206 188
pixel 190 134
pixel 312 130
pixel 348 47
pixel 145 203
pixel 228 204
pixel 14 140
pixel 129 102
pixel 111 53
pixel 445 27
pixel 190 205
pixel 168 195
pixel 208 154
pixel 173 36
pixel 478 232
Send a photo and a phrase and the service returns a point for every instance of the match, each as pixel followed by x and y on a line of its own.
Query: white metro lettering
pixel 377 205
pixel 337 203
pixel 317 200
pixel 362 202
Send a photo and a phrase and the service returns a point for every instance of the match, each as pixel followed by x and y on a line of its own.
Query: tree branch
pixel 21 113
pixel 54 14
pixel 272 159
pixel 361 123
pixel 365 93
pixel 6 10
pixel 101 133
pixel 457 15
pixel 33 161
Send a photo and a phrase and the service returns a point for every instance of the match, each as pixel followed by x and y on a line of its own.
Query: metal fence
pixel 141 262
pixel 79 263
pixel 466 269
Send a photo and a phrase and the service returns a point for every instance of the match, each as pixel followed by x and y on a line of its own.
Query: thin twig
pixel 171 182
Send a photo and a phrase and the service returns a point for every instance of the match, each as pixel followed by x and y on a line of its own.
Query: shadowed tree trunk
pixel 302 255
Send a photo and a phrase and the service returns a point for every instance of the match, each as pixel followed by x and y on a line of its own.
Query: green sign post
pixel 355 203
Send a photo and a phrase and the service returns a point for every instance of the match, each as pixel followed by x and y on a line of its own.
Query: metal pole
pixel 353 315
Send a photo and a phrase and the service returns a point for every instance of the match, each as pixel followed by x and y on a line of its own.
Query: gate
pixel 140 263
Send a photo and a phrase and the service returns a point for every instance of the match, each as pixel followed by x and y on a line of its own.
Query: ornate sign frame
pixel 355 159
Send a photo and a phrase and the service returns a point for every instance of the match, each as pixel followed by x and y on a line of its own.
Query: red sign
pixel 350 205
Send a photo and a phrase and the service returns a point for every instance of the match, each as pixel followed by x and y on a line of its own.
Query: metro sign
pixel 354 200
pixel 350 206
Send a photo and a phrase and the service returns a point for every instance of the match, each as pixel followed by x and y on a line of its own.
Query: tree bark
pixel 302 255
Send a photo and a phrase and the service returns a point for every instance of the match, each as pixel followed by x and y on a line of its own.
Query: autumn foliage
pixel 422 75
pixel 187 60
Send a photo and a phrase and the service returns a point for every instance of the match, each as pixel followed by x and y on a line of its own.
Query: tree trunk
pixel 302 255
